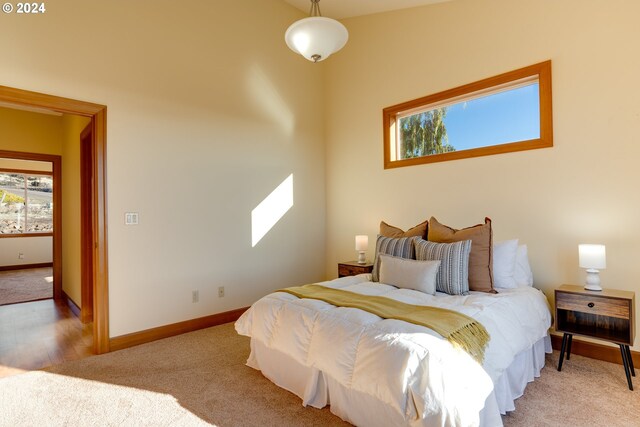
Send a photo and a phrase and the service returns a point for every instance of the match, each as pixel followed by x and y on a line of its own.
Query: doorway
pixel 56 174
pixel 98 217
pixel 29 208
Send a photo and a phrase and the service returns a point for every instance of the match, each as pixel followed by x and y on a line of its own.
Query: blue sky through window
pixel 501 118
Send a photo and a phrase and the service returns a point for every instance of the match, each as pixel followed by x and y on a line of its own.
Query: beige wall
pixel 27 131
pixel 72 126
pixel 34 133
pixel 25 165
pixel 583 190
pixel 208 111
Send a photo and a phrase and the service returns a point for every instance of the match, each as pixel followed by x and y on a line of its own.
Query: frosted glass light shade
pixel 592 256
pixel 362 242
pixel 316 37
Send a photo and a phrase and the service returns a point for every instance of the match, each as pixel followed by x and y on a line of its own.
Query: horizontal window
pixel 26 203
pixel 509 112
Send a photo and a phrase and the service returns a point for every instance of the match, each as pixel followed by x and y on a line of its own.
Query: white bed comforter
pixel 409 367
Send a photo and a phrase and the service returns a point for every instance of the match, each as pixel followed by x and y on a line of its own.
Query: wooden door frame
pixel 56 170
pixel 98 115
pixel 87 160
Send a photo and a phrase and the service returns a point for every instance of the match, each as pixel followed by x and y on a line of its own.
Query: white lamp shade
pixel 316 37
pixel 362 242
pixel 592 256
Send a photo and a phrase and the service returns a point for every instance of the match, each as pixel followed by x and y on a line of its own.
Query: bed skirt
pixel 317 389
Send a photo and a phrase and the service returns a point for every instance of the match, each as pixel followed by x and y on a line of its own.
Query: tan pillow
pixel 419 230
pixel 481 256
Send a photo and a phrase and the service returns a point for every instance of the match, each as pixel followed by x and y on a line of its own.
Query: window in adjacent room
pixel 501 114
pixel 26 203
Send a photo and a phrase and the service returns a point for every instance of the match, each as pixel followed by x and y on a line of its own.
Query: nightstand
pixel 351 268
pixel 607 315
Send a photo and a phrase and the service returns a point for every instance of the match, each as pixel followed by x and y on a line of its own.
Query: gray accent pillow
pixel 402 247
pixel 409 273
pixel 453 274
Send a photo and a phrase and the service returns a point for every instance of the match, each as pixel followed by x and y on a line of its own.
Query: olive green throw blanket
pixel 460 330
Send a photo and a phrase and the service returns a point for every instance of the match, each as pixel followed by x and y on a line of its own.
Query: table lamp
pixel 593 258
pixel 362 242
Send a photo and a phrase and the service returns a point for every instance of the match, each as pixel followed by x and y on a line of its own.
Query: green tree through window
pixel 424 134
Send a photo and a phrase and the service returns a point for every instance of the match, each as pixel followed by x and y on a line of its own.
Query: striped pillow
pixel 453 275
pixel 402 247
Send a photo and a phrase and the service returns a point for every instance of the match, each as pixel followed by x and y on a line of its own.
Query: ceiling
pixel 338 9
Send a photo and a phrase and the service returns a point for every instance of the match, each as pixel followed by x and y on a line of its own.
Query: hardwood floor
pixel 38 334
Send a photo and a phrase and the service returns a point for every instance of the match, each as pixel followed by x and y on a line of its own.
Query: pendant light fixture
pixel 316 37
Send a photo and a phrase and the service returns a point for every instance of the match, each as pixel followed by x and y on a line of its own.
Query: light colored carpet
pixel 586 393
pixel 191 379
pixel 25 285
pixel 200 378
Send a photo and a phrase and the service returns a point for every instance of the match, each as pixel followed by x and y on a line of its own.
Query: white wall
pixel 208 111
pixel 583 190
pixel 36 250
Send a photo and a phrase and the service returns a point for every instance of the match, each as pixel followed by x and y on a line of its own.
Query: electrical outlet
pixel 20 255
pixel 221 292
pixel 195 296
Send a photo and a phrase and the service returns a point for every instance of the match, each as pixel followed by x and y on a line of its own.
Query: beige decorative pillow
pixel 481 256
pixel 419 230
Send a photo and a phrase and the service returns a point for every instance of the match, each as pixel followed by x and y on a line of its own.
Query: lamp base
pixel 362 257
pixel 593 280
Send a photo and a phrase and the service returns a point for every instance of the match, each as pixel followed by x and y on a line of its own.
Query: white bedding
pixel 408 368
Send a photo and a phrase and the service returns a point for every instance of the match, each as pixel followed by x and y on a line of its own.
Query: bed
pixel 378 370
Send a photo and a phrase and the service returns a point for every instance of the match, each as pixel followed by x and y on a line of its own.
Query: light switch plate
pixel 131 218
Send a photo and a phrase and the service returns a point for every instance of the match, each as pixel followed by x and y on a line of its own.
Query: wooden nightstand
pixel 608 315
pixel 351 268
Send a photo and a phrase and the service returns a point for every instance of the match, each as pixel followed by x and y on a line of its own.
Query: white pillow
pixel 409 273
pixel 524 275
pixel 504 264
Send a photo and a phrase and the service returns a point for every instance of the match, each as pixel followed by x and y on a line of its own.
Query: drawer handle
pixel 590 305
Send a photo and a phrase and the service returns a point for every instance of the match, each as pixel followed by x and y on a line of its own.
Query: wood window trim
pixel 542 70
pixel 98 115
pixel 14 235
pixel 26 172
pixel 30 173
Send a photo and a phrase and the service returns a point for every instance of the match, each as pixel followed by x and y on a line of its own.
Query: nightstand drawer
pixel 593 304
pixel 349 270
pixel 352 268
